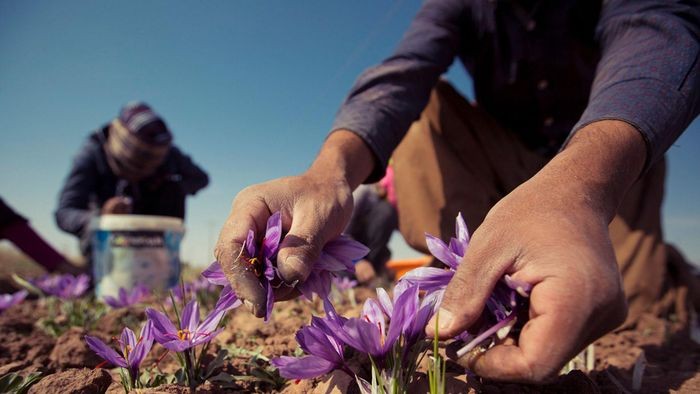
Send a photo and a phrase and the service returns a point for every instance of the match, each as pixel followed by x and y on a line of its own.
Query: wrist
pixel 344 158
pixel 599 164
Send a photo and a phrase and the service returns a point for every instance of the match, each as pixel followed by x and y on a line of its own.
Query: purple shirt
pixel 543 69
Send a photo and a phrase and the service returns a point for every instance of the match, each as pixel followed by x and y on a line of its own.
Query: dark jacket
pixel 91 183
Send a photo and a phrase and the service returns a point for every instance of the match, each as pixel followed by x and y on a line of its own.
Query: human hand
pixel 364 271
pixel 550 232
pixel 315 208
pixel 117 205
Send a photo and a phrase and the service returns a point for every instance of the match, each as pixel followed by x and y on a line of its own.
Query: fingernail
pixel 249 305
pixel 290 273
pixel 444 319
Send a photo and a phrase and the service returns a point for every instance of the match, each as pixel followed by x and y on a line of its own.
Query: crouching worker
pixel 128 166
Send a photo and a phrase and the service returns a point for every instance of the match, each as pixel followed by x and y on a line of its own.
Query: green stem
pixel 189 365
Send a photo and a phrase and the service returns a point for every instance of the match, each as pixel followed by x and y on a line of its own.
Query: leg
pixel 455 158
pixel 655 276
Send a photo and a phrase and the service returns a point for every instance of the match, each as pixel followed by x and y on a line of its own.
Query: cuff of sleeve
pixel 346 121
pixel 659 112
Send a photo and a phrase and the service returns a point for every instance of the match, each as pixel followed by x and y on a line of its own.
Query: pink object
pixel 388 184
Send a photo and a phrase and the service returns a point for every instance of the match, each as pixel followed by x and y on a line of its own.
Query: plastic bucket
pixel 128 250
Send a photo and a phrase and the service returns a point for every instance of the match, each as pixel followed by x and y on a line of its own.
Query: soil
pixel 672 358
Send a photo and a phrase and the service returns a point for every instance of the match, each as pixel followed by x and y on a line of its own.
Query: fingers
pixel 246 215
pixel 466 294
pixel 551 337
pixel 301 246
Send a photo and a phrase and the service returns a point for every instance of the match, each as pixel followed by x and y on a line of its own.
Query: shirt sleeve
pixel 648 75
pixel 387 98
pixel 73 214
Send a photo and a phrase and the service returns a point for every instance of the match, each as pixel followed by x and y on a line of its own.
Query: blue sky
pixel 248 88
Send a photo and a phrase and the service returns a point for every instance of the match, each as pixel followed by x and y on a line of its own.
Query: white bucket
pixel 128 250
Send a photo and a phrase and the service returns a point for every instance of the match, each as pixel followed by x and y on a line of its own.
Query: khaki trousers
pixel 456 158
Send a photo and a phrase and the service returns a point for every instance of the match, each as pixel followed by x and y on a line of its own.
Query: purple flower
pixel 372 335
pixel 344 283
pixel 508 295
pixel 8 300
pixel 214 275
pixel 191 332
pixel 66 287
pixel 324 353
pixel 128 297
pixel 337 256
pixel 133 350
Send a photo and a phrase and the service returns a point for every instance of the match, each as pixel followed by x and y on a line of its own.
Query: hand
pixel 552 233
pixel 117 206
pixel 364 271
pixel 315 208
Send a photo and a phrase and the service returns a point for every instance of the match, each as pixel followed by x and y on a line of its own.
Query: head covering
pixel 146 125
pixel 137 143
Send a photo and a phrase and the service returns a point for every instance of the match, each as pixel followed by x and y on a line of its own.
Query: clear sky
pixel 249 89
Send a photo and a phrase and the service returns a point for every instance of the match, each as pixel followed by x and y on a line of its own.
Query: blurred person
pixel 558 167
pixel 16 229
pixel 128 166
pixel 373 221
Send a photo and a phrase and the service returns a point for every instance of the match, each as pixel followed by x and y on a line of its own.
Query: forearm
pixel 598 165
pixel 344 157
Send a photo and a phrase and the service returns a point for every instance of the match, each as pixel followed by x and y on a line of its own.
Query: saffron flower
pixel 133 350
pixel 371 334
pixel 8 300
pixel 191 332
pixel 507 298
pixel 337 256
pixel 127 298
pixel 324 353
pixel 65 287
pixel 344 283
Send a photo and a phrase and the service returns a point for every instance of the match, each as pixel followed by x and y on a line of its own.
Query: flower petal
pixel 105 351
pixel 306 367
pixel 215 275
pixel 273 233
pixel 162 326
pixel 441 251
pixel 429 278
pixel 250 243
pixel 190 316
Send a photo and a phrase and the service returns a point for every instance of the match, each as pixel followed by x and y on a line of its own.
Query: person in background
pixel 16 229
pixel 558 167
pixel 128 166
pixel 373 221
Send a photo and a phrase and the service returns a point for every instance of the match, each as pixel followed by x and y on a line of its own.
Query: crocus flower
pixel 344 283
pixel 65 286
pixel 133 350
pixel 8 300
pixel 128 297
pixel 191 332
pixel 371 334
pixel 337 256
pixel 501 306
pixel 324 353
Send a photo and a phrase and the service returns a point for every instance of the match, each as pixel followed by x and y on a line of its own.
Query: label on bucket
pixel 128 258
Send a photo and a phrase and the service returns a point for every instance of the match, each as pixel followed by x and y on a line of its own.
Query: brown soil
pixel 71 350
pixel 74 381
pixel 672 359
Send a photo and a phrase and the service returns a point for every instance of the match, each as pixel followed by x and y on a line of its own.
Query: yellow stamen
pixel 183 334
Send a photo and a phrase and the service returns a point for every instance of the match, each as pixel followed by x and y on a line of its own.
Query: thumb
pixel 469 288
pixel 301 247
